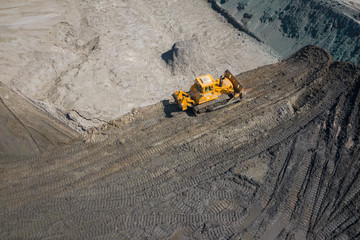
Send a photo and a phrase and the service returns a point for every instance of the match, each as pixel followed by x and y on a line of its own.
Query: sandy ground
pixel 99 60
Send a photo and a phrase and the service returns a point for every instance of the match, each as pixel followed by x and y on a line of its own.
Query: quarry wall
pixel 288 25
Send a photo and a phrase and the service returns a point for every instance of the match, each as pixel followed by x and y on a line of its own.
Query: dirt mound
pixel 281 164
pixel 189 58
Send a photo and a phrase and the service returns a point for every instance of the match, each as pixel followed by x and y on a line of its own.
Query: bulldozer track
pixel 144 156
pixel 127 193
pixel 104 143
pixel 278 139
pixel 282 162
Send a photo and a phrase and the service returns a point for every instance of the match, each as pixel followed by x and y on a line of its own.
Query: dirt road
pixel 282 164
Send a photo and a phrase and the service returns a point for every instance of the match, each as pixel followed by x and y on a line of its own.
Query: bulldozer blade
pixel 238 88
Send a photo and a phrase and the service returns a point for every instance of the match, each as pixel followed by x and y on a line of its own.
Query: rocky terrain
pixel 289 25
pixel 281 164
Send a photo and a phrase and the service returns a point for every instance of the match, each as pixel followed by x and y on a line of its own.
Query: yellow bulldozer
pixel 207 94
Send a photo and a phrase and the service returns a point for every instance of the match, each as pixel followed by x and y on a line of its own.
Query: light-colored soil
pixel 353 3
pixel 97 60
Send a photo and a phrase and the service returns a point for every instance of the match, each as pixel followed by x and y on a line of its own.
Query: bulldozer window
pixel 208 89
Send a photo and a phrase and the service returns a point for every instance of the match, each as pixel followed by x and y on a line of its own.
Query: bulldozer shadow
pixel 173 107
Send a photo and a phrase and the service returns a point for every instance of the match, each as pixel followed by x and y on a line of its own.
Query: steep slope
pixel 289 25
pixel 282 164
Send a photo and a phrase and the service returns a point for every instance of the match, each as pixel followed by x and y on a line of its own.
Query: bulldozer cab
pixel 205 84
pixel 203 89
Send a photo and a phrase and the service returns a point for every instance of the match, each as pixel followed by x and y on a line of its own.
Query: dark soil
pixel 281 164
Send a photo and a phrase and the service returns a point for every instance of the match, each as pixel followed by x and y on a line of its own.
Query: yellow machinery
pixel 207 94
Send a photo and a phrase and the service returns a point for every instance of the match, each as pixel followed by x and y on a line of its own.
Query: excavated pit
pixel 289 25
pixel 281 164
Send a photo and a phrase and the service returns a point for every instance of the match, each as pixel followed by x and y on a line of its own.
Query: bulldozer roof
pixel 206 80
